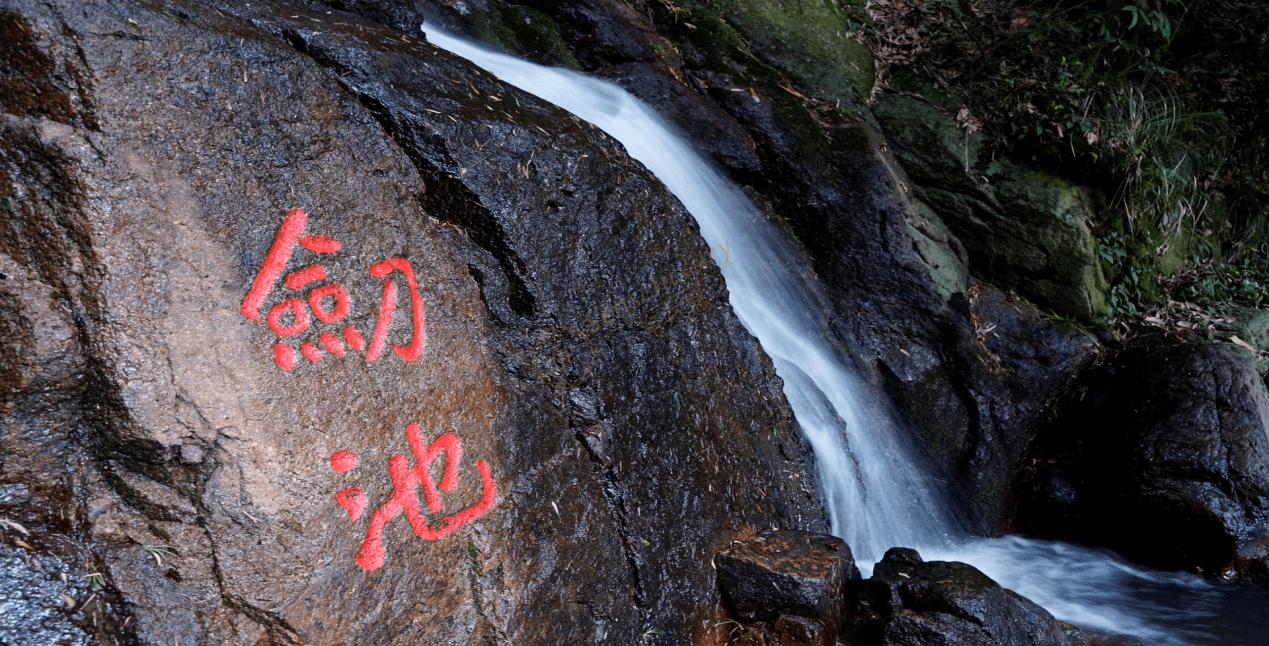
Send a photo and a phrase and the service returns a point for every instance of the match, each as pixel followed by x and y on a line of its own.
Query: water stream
pixel 876 495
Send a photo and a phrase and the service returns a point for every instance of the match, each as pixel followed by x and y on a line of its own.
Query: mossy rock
pixel 1177 253
pixel 1252 325
pixel 937 247
pixel 524 31
pixel 808 39
pixel 933 150
pixel 1046 248
pixel 1024 230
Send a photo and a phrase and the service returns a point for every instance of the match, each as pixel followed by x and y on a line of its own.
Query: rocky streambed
pixel 316 333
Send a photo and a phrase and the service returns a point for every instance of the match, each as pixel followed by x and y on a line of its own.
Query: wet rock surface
pixel 803 144
pixel 579 339
pixel 912 602
pixel 792 583
pixel 1164 455
pixel 1024 230
pixel 579 342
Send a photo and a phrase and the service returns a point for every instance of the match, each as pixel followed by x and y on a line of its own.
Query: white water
pixel 876 495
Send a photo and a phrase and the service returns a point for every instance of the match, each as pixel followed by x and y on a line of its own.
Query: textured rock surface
pixel 911 602
pixel 1024 230
pixel 578 341
pixel 896 275
pixel 1164 455
pixel 794 582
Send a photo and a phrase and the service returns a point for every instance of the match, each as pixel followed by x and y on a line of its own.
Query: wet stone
pixel 912 602
pixel 793 580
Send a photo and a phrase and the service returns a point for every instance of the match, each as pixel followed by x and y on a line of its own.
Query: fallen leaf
pixel 1242 344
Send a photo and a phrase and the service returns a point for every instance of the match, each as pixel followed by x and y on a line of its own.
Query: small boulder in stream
pixel 912 602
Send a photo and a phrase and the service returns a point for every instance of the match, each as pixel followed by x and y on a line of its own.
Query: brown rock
pixel 579 343
pixel 794 581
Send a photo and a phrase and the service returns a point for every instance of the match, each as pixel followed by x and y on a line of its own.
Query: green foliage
pixel 1143 100
pixel 1241 282
pixel 1166 156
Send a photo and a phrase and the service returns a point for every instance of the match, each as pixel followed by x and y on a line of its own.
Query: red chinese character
pixel 388 305
pixel 328 302
pixel 405 498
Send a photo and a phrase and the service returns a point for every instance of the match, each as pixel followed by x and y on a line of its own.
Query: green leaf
pixel 1132 9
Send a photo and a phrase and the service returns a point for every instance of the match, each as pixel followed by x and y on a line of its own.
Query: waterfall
pixel 875 493
pixel 875 496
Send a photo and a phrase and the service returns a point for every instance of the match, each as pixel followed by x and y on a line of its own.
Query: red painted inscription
pixel 404 500
pixel 326 301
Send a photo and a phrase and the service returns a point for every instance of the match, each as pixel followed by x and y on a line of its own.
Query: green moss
pixel 1025 230
pixel 1177 253
pixel 1052 253
pixel 809 40
pixel 703 26
pixel 1252 326
pixel 804 40
pixel 930 238
pixel 934 150
pixel 524 31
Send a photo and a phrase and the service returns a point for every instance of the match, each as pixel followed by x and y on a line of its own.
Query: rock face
pixel 911 602
pixel 802 141
pixel 617 426
pixel 1164 455
pixel 1024 230
pixel 793 582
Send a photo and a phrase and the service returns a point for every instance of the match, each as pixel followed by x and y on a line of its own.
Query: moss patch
pixel 809 40
pixel 1024 230
pixel 524 31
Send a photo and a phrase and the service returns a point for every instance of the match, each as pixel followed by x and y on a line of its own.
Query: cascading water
pixel 876 495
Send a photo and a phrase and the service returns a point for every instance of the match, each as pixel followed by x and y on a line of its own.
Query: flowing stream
pixel 876 495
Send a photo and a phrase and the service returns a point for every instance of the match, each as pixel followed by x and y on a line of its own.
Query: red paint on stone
pixel 328 302
pixel 300 278
pixel 274 262
pixel 320 244
pixel 343 461
pixel 354 338
pixel 353 500
pixel 405 500
pixel 387 305
pixel 418 323
pixel 310 352
pixel 299 317
pixel 284 356
pixel 333 290
pixel 331 343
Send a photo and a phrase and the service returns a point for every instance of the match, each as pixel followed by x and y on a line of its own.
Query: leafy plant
pixel 1166 157
pixel 1142 100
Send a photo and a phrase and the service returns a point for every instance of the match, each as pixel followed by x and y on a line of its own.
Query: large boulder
pixel 1025 230
pixel 1162 454
pixel 911 602
pixel 895 273
pixel 212 454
